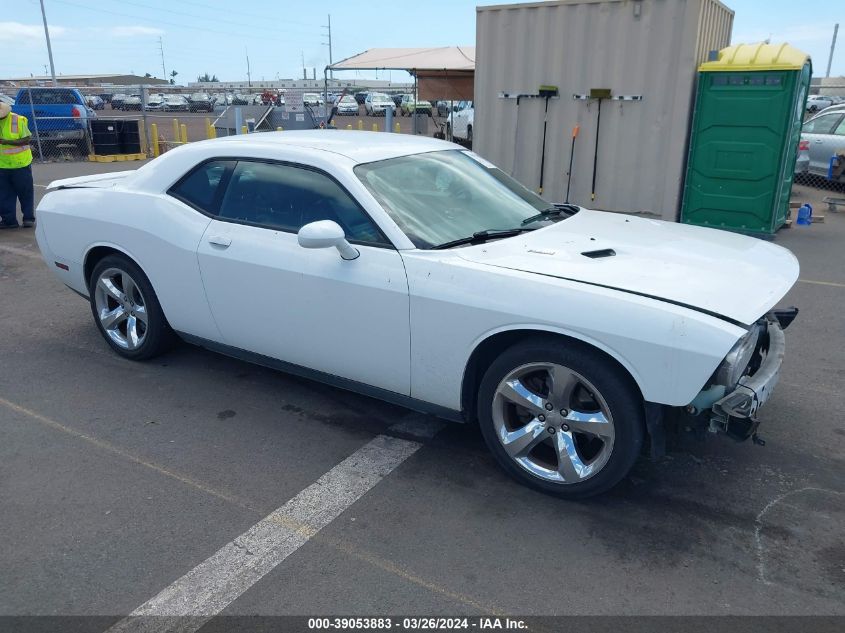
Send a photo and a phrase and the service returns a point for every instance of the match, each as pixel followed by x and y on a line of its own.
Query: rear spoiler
pixel 94 180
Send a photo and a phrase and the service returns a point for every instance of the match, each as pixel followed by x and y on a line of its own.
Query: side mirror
pixel 325 234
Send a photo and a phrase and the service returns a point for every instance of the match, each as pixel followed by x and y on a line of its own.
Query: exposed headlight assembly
pixel 737 360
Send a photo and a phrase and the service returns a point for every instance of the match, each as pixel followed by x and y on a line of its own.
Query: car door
pixel 309 307
pixel 819 133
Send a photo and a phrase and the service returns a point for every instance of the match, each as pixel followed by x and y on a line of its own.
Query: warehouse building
pixel 83 80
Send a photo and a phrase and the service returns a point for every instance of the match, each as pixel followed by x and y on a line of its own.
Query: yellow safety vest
pixel 13 127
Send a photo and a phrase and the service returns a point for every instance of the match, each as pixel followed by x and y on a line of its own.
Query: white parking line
pixel 211 586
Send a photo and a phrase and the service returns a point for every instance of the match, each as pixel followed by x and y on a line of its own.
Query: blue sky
pixel 93 36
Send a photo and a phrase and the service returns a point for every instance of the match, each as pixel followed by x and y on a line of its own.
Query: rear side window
pixel 49 96
pixel 202 187
pixel 822 124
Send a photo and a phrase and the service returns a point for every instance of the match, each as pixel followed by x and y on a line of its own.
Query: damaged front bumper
pixel 736 413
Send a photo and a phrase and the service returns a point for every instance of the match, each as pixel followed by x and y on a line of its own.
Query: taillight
pixel 75 113
pixel 803 146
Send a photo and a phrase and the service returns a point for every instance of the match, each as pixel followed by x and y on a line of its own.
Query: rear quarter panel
pixel 158 232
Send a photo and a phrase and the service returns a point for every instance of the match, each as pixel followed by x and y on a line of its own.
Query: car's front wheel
pixel 561 418
pixel 126 309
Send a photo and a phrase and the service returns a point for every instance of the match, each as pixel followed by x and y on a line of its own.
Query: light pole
pixel 49 48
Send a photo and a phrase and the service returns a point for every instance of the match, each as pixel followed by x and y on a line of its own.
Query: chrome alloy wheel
pixel 121 308
pixel 553 422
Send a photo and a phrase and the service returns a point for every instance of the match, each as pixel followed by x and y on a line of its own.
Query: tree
pixel 173 74
pixel 147 75
pixel 207 78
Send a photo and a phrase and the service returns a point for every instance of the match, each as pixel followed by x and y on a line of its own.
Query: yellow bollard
pixel 375 127
pixel 348 126
pixel 280 129
pixel 244 129
pixel 154 138
pixel 212 133
pixel 208 128
pixel 360 124
pixel 184 132
pixel 175 130
pixel 397 128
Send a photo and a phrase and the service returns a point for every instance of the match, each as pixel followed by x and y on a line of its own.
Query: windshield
pixel 439 197
pixel 381 99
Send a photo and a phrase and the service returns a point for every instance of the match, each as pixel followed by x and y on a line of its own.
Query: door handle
pixel 220 240
pixel 819 140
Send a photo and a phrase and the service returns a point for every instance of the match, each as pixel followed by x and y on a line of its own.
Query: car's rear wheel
pixel 126 309
pixel 561 418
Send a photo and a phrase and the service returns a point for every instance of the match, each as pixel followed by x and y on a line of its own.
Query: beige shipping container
pixel 636 48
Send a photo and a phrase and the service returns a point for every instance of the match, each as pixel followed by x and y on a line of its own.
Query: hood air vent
pixel 604 252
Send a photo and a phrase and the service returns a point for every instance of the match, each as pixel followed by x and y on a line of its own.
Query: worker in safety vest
pixel 15 170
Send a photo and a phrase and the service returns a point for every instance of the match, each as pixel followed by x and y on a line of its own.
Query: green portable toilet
pixel 744 140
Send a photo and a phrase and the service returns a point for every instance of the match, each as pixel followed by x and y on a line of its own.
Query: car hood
pixel 732 276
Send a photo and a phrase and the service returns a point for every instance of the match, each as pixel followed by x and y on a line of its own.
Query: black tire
pixel 616 388
pixel 158 336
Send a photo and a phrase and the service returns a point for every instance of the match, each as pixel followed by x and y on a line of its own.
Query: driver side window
pixel 285 197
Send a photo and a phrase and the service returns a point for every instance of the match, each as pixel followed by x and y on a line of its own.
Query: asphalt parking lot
pixel 117 479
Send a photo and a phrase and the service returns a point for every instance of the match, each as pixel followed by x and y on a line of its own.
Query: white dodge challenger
pixel 414 271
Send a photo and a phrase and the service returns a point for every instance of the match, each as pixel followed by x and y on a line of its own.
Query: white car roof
pixel 360 147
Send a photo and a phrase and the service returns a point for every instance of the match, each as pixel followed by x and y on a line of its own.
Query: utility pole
pixel 248 75
pixel 329 44
pixel 304 73
pixel 161 50
pixel 49 48
pixel 832 48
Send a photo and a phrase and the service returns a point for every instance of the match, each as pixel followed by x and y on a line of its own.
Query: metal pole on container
pixel 832 48
pixel 35 125
pixel 49 47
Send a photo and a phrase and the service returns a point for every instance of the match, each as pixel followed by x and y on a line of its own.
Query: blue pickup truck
pixel 60 116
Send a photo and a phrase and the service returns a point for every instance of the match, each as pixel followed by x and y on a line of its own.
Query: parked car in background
pixel 397 99
pixel 815 103
pixel 802 162
pixel 132 102
pixel 361 97
pixel 59 114
pixel 95 102
pixel 423 275
pixel 117 101
pixel 106 96
pixel 347 105
pixel 240 99
pixel 176 103
pixel 155 103
pixel 377 104
pixel 201 102
pixel 444 106
pixel 459 123
pixel 410 106
pixel 824 135
pixel 312 99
